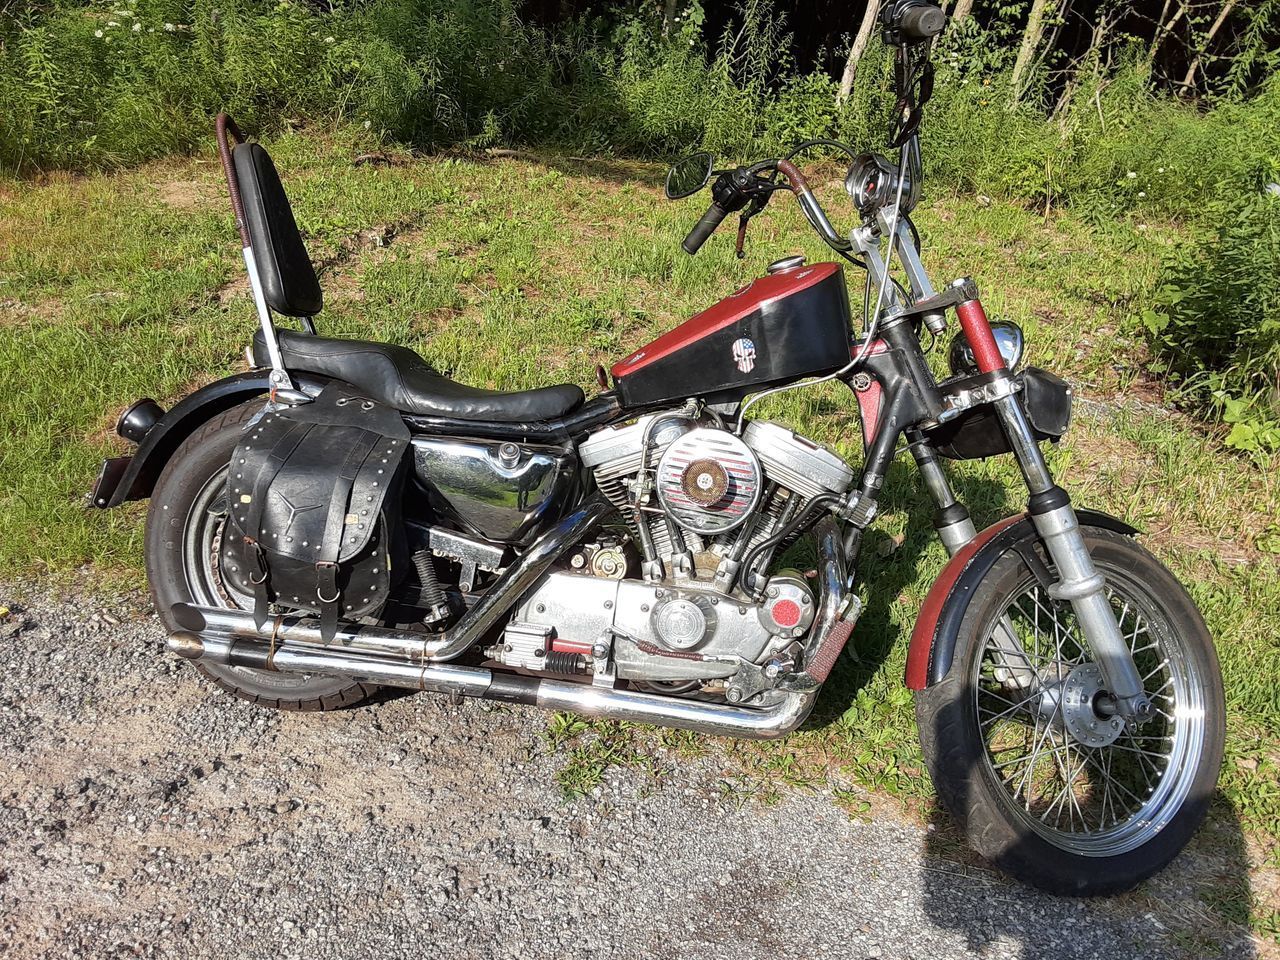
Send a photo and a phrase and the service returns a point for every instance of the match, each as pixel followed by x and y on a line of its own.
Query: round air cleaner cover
pixel 709 480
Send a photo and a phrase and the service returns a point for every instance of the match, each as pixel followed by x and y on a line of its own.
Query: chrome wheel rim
pixel 1062 767
pixel 201 544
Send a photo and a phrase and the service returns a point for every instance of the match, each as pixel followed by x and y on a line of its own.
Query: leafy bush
pixel 101 84
pixel 1113 148
pixel 96 83
pixel 1216 324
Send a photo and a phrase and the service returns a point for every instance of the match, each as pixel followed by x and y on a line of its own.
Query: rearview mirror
pixel 689 175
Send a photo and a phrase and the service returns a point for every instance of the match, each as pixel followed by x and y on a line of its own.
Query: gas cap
pixel 786 263
pixel 508 455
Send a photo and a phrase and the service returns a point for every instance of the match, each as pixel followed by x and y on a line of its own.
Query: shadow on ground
pixel 1198 906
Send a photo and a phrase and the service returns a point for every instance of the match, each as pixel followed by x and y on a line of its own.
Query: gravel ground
pixel 144 814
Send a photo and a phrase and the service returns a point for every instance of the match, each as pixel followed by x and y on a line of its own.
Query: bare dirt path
pixel 143 814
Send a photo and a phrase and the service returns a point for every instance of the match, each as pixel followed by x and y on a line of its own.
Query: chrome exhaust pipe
pixel 584 698
pixel 402 659
pixel 436 677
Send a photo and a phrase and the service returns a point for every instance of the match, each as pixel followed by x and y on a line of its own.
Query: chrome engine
pixel 717 495
pixel 681 595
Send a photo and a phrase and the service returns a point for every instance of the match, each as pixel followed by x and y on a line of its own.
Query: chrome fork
pixel 1079 581
pixel 955 529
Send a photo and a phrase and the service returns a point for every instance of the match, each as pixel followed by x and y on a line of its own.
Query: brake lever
pixel 753 208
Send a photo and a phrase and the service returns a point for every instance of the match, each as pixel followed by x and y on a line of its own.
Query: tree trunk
pixel 858 49
pixel 963 9
pixel 1030 42
pixel 668 16
pixel 1189 80
pixel 1090 60
pixel 1163 29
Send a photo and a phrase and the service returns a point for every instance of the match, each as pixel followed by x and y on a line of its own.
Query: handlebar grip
pixel 922 21
pixel 704 228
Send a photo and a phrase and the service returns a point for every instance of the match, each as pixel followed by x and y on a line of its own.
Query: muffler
pixel 404 659
pixel 585 698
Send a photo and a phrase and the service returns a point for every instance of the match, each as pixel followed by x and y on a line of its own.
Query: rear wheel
pixel 184 534
pixel 1022 748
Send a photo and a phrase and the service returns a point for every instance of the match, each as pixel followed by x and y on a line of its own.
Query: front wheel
pixel 1023 753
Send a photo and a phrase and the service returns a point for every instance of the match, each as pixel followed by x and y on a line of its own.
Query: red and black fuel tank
pixel 781 327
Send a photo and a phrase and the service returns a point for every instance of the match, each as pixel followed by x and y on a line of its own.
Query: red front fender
pixel 933 640
pixel 922 637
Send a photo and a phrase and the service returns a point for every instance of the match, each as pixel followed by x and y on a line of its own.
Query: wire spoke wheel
pixel 202 542
pixel 1087 781
pixel 1024 744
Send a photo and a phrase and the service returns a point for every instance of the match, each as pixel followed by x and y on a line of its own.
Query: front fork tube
pixel 1079 581
pixel 955 529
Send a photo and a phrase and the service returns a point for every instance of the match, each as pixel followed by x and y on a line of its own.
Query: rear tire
pixel 1009 756
pixel 182 529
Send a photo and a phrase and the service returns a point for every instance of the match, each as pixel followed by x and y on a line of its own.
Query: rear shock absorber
pixel 430 594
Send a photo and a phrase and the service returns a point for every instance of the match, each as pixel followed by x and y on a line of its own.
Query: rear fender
pixel 133 478
pixel 933 641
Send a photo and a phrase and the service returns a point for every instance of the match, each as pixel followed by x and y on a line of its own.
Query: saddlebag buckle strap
pixel 327 582
pixel 259 574
pixel 328 591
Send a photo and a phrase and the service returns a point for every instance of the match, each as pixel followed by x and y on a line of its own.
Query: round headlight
pixel 1009 341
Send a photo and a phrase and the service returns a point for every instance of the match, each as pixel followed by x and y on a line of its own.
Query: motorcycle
pixel 343 517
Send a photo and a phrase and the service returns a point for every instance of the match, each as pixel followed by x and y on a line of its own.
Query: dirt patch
pixel 185 194
pixel 372 238
pixel 18 313
pixel 237 289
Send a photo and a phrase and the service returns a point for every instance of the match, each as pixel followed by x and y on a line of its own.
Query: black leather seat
pixel 397 376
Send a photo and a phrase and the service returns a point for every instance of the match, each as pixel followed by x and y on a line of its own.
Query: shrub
pixel 1216 322
pixel 97 83
pixel 101 84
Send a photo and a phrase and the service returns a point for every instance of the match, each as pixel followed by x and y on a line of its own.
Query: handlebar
pixel 734 189
pixel 922 21
pixel 704 228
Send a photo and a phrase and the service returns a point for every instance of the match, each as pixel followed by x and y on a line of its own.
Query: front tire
pixel 184 527
pixel 1021 752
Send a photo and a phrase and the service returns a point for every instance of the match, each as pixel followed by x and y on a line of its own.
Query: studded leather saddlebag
pixel 314 508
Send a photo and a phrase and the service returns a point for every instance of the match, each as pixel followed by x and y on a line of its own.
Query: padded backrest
pixel 289 281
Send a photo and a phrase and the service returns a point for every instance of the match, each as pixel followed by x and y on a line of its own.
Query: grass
pixel 517 272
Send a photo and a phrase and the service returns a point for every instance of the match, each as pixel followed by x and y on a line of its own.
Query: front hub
pixel 1082 692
